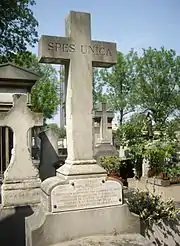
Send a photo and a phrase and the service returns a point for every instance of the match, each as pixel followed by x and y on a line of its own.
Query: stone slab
pixel 20 195
pixel 118 240
pixel 45 228
pixel 159 182
pixel 86 193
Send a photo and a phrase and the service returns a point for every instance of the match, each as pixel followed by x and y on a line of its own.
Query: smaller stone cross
pixel 20 119
pixel 103 125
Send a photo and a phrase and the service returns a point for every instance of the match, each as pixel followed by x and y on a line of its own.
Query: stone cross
pixel 79 53
pixel 20 119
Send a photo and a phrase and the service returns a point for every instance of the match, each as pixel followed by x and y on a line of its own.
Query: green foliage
pixel 18 27
pixel 112 164
pixel 45 95
pixel 60 131
pixel 157 85
pixel 118 83
pixel 98 94
pixel 172 171
pixel 131 131
pixel 158 152
pixel 151 208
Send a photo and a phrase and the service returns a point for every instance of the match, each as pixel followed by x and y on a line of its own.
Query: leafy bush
pixel 158 152
pixel 112 164
pixel 172 171
pixel 151 208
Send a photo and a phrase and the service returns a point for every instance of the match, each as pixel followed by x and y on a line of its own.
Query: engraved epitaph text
pixel 83 194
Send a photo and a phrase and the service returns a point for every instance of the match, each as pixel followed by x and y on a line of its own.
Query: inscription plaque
pixel 86 193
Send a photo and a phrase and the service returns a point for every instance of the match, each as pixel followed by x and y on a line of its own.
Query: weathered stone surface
pixel 104 145
pixel 71 205
pixel 22 193
pixel 69 225
pixel 119 240
pixel 86 193
pixel 20 119
pixel 21 184
pixel 78 53
pixel 104 149
pixel 14 79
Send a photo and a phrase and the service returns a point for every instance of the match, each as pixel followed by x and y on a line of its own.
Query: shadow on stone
pixel 49 154
pixel 12 225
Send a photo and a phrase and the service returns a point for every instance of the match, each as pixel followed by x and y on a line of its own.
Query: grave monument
pixel 20 191
pixel 80 201
pixel 104 146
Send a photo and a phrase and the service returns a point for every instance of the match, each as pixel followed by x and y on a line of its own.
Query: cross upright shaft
pixel 79 90
pixel 79 54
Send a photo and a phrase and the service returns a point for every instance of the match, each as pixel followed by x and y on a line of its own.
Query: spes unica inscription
pixel 84 49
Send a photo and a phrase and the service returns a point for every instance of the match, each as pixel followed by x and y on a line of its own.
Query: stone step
pixel 119 240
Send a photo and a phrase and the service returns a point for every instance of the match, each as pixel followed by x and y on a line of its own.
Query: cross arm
pixel 104 54
pixel 37 119
pixel 55 50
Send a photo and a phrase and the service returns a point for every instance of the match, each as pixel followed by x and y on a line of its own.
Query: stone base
pixel 104 149
pixel 75 208
pixel 44 229
pixel 80 169
pixel 156 181
pixel 21 193
pixel 126 240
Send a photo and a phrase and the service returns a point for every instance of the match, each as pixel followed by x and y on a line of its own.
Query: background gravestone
pixel 49 154
pixel 104 146
pixel 21 183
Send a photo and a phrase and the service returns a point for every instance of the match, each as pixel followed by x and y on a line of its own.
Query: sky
pixel 130 23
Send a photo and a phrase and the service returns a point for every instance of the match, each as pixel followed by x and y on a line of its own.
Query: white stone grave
pixel 21 184
pixel 81 200
pixel 104 146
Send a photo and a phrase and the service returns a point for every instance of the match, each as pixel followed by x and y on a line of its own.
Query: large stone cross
pixel 20 119
pixel 79 53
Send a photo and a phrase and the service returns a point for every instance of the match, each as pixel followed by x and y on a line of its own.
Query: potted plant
pixel 113 165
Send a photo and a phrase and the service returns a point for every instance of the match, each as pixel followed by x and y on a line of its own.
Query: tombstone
pixel 97 116
pixel 21 184
pixel 12 79
pixel 145 168
pixel 49 154
pixel 104 145
pixel 123 152
pixel 81 200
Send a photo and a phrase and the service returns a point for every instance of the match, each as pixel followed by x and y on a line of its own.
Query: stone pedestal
pixel 79 208
pixel 104 149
